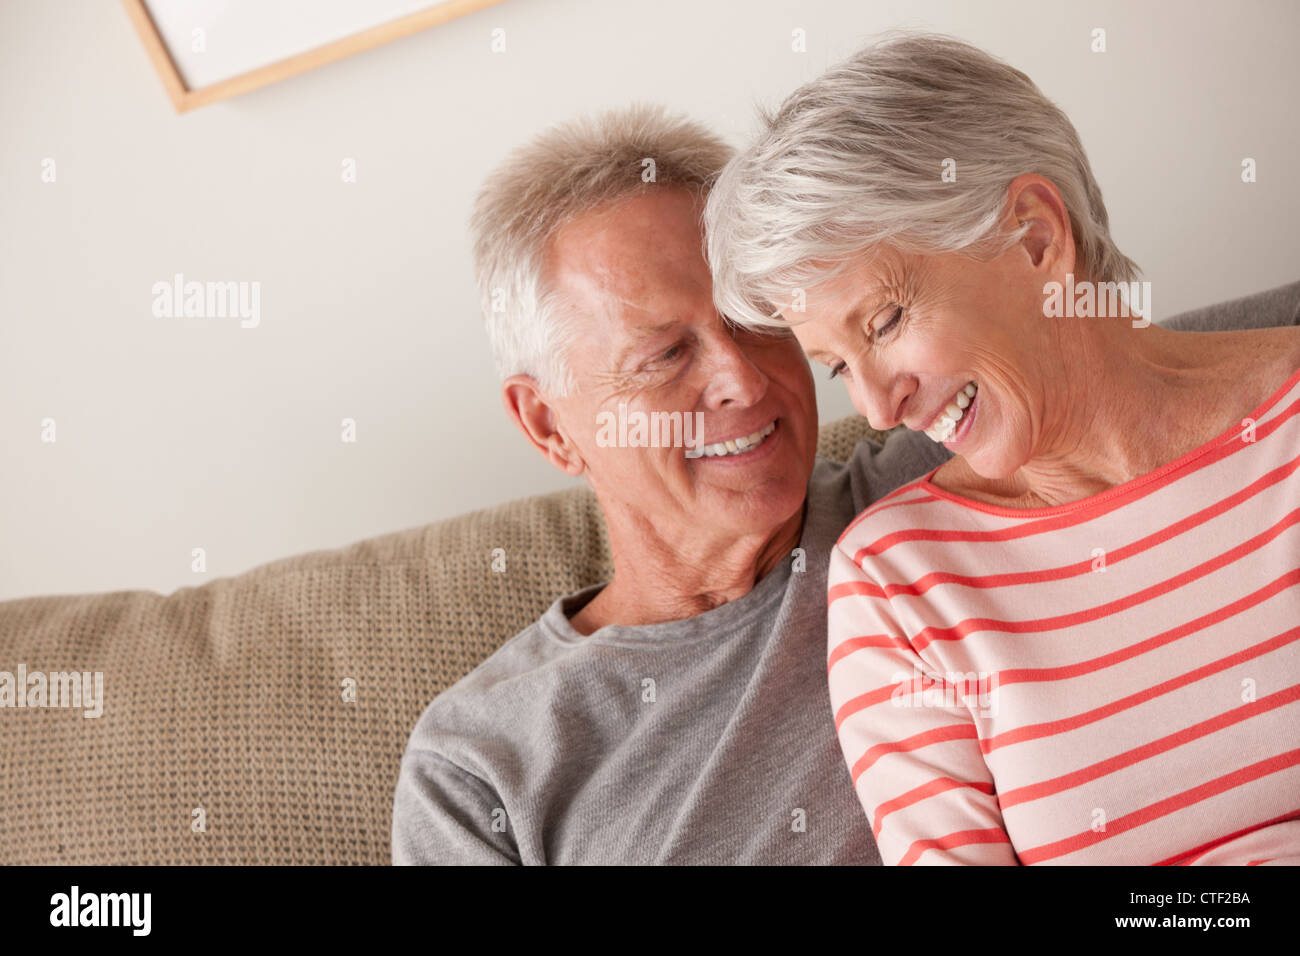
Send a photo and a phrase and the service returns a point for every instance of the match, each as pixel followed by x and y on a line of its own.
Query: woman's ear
pixel 536 417
pixel 1034 203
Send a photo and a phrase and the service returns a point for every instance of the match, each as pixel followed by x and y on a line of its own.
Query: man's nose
pixel 733 377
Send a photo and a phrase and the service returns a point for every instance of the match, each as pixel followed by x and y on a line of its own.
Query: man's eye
pixel 838 369
pixel 663 358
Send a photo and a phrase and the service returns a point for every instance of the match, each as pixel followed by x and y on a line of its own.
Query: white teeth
pixel 945 426
pixel 732 446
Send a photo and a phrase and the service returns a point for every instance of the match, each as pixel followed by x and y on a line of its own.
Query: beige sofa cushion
pixel 229 697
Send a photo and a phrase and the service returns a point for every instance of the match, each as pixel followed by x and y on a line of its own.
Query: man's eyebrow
pixel 649 331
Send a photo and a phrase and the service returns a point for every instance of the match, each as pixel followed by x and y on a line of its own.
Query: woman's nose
pixel 875 403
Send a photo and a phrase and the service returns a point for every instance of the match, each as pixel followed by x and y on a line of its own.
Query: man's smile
pixel 744 447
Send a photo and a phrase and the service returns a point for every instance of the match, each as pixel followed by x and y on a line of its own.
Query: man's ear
pixel 1048 243
pixel 536 417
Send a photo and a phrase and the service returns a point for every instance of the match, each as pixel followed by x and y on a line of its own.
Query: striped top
pixel 1111 681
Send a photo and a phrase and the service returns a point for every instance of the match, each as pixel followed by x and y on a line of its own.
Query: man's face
pixel 647 336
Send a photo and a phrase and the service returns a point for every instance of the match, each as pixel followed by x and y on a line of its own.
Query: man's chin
pixel 757 511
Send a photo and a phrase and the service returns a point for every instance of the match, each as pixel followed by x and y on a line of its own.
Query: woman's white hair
pixel 569 170
pixel 854 159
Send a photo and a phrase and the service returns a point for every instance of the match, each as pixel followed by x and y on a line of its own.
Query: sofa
pixel 261 718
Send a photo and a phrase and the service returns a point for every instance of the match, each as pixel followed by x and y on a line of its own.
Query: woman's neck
pixel 1135 400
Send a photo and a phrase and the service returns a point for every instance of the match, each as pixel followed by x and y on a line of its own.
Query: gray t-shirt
pixel 706 740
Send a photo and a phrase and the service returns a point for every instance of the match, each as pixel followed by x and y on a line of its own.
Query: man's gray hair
pixel 567 171
pixel 855 159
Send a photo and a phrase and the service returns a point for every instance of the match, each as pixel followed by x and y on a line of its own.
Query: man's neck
pixel 655 581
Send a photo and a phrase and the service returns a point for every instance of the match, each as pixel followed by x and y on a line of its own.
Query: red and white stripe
pixel 1144 714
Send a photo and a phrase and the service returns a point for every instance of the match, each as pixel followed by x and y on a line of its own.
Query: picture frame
pixel 159 24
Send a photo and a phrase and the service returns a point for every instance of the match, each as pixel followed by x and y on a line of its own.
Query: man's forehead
pixel 641 287
pixel 641 295
pixel 628 260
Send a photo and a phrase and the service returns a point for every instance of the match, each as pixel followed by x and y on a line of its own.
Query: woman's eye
pixel 838 369
pixel 897 315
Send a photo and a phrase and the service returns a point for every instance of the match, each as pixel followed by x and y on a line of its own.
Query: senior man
pixel 677 713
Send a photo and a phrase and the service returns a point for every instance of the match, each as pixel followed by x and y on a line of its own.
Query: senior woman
pixel 1077 641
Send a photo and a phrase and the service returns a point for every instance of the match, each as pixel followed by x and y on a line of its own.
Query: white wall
pixel 174 434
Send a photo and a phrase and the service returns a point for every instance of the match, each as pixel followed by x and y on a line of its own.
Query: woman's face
pixel 913 335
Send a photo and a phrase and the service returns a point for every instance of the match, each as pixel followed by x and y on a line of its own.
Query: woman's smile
pixel 949 423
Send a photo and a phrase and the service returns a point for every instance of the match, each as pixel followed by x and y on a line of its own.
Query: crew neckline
pixel 765 596
pixel 725 618
pixel 1131 485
